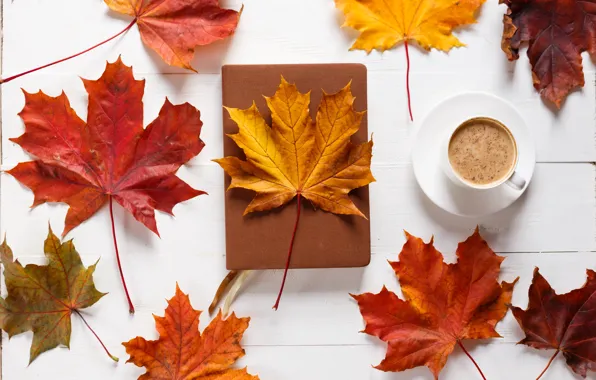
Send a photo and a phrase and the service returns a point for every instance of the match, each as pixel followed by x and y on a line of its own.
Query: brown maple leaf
pixel 444 304
pixel 557 31
pixel 42 298
pixel 385 23
pixel 183 353
pixel 565 322
pixel 173 28
pixel 111 157
pixel 297 157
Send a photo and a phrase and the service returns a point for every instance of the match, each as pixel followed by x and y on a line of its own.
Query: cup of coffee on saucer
pixel 473 154
pixel 480 154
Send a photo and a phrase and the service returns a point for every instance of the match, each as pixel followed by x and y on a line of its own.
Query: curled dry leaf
pixel 562 322
pixel 557 31
pixel 173 28
pixel 297 157
pixel 110 157
pixel 42 298
pixel 444 304
pixel 182 352
pixel 385 23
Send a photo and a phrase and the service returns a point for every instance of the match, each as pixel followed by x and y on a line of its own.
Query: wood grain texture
pixel 315 335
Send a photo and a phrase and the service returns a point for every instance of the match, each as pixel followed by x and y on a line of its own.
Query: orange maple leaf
pixel 445 304
pixel 173 28
pixel 297 157
pixel 385 23
pixel 183 353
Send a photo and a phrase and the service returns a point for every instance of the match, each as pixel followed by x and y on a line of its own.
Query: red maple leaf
pixel 111 157
pixel 444 304
pixel 557 32
pixel 562 322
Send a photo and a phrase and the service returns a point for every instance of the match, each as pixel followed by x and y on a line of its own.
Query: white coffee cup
pixel 511 178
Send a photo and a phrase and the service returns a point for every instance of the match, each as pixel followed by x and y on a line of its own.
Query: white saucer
pixel 427 154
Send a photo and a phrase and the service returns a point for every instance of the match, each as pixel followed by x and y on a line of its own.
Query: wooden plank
pixel 319 333
pixel 539 221
pixel 564 137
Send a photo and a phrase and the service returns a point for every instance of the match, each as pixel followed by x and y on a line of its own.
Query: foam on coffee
pixel 482 151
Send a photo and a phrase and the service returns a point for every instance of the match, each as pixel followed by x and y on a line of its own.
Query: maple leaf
pixel 444 304
pixel 297 157
pixel 173 28
pixel 564 322
pixel 557 31
pixel 385 23
pixel 42 298
pixel 182 353
pixel 111 157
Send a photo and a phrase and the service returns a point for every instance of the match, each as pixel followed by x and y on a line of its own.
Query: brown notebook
pixel 260 240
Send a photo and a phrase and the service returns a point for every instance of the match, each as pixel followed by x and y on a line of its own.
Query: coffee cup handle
pixel 516 182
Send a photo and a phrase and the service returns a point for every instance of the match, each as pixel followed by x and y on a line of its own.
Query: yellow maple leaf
pixel 384 23
pixel 299 157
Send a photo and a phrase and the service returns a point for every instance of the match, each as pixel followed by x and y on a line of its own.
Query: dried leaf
pixel 181 352
pixel 297 156
pixel 84 164
pixel 557 31
pixel 565 322
pixel 173 28
pixel 42 298
pixel 444 304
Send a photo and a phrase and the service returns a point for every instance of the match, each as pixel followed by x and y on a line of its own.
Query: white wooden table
pixel 315 334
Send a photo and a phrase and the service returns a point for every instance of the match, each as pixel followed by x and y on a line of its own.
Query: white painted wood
pixel 314 335
pixel 274 31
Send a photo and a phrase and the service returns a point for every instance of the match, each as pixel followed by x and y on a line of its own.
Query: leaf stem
pixel 471 358
pixel 408 80
pixel 548 365
pixel 6 80
pixel 283 282
pixel 114 358
pixel 131 308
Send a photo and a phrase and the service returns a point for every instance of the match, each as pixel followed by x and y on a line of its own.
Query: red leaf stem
pixel 6 80
pixel 548 365
pixel 114 358
pixel 283 282
pixel 131 308
pixel 408 80
pixel 471 358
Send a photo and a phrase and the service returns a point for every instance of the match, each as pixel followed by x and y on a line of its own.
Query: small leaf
pixel 181 352
pixel 42 298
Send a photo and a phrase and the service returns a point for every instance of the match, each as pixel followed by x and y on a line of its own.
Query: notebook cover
pixel 260 240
